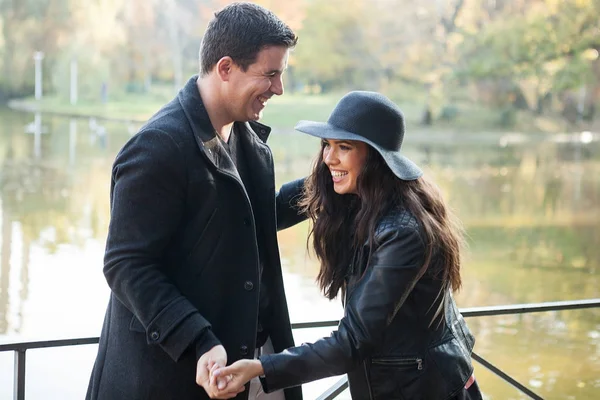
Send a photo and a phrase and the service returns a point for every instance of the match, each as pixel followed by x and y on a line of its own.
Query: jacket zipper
pixel 399 361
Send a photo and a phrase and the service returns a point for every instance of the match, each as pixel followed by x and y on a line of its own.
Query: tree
pixel 334 49
pixel 551 48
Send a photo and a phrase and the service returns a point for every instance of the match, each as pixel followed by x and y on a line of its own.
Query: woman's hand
pixel 231 380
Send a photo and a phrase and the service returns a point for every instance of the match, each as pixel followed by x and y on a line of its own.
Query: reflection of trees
pixel 524 183
pixel 557 247
pixel 552 191
pixel 35 196
pixel 5 269
pixel 24 292
pixel 6 248
pixel 520 202
pixel 55 203
pixel 47 203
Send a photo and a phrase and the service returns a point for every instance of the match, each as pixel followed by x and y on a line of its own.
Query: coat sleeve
pixel 372 305
pixel 288 213
pixel 147 202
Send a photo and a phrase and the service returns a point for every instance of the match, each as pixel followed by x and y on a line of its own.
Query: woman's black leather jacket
pixel 386 342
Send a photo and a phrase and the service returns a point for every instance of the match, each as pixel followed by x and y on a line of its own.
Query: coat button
pixel 154 335
pixel 248 285
pixel 247 221
pixel 243 350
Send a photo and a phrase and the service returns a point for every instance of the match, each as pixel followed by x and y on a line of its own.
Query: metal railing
pixel 20 348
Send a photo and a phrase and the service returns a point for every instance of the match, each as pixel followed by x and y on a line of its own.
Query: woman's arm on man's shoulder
pixel 288 211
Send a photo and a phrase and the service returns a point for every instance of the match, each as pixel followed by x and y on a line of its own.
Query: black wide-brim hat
pixel 371 118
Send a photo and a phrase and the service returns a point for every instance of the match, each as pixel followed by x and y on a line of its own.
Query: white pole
pixel 38 56
pixel 72 140
pixel 73 81
pixel 37 135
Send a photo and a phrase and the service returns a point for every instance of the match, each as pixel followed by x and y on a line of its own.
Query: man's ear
pixel 224 68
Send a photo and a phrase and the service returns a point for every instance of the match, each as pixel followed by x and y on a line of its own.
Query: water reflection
pixel 48 199
pixel 530 205
pixel 4 271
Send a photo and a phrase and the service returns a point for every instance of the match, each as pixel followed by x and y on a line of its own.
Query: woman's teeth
pixel 338 174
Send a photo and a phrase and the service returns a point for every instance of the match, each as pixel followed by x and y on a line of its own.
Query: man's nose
pixel 277 85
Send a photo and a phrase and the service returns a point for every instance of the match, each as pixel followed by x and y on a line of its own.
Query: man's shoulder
pixel 170 118
pixel 165 132
pixel 173 121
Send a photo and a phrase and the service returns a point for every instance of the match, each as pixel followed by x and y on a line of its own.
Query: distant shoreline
pixel 284 112
pixel 26 106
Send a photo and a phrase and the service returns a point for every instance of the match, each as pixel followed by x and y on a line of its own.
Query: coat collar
pixel 193 106
pixel 204 133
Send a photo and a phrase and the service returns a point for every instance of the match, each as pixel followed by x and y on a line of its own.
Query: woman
pixel 388 243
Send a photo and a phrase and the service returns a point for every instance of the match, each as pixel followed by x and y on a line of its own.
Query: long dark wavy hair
pixel 342 224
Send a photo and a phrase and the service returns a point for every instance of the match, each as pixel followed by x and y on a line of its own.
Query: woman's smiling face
pixel 345 160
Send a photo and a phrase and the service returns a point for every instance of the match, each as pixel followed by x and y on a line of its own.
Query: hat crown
pixel 372 116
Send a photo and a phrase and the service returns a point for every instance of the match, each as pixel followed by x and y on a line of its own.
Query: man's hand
pixel 231 380
pixel 214 358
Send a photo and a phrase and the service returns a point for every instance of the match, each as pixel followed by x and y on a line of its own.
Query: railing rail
pixel 20 348
pixel 335 390
pixel 505 376
pixel 490 311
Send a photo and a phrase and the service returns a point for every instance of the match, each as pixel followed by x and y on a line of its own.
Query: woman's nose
pixel 329 157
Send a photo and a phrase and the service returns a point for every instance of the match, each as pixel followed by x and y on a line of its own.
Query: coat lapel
pixel 253 138
pixel 260 160
pixel 204 133
pixel 259 156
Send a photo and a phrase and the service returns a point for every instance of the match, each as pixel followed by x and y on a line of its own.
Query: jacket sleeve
pixel 372 305
pixel 147 202
pixel 288 213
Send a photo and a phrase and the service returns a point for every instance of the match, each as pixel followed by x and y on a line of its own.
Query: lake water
pixel 530 203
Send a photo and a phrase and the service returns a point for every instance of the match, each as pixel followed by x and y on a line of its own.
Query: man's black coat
pixel 181 255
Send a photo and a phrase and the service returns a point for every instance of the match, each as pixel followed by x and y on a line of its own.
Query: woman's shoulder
pixel 395 220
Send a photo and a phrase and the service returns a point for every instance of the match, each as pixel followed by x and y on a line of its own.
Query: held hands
pixel 222 382
pixel 229 381
pixel 212 359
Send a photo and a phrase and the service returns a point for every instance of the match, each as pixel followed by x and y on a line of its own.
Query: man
pixel 192 258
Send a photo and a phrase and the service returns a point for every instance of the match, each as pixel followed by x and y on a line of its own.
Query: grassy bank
pixel 283 112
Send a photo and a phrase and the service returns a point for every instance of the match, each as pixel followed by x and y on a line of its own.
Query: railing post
pixel 19 389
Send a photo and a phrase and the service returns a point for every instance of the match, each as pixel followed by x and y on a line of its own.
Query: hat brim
pixel 400 165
